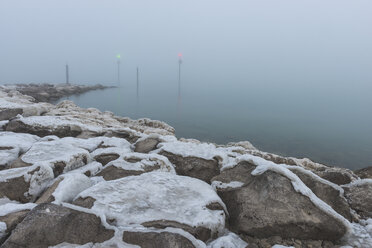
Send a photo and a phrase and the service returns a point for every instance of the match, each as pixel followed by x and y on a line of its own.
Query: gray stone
pixel 12 220
pixel 327 193
pixel 157 239
pixel 112 173
pixel 106 158
pixel 364 173
pixel 7 114
pixel 146 145
pixel 267 205
pixel 194 167
pixel 49 224
pixel 18 126
pixel 360 198
pixel 15 189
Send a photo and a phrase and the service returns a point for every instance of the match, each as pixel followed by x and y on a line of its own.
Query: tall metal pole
pixel 179 74
pixel 137 81
pixel 118 71
pixel 67 76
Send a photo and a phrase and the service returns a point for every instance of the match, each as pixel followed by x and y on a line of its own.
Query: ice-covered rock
pixel 25 184
pixel 359 195
pixel 268 205
pixel 12 145
pixel 158 199
pixel 62 156
pixel 229 240
pixel 13 103
pixel 133 164
pixel 65 188
pixel 49 224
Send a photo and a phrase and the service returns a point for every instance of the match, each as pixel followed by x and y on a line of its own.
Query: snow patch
pixel 157 196
pixel 71 185
pixel 229 240
pixel 221 185
pixel 3 229
pixel 8 208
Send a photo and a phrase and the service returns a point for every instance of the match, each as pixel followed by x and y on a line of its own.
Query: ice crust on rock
pixel 229 240
pixel 221 185
pixel 157 196
pixel 57 151
pixel 264 165
pixel 3 229
pixel 71 185
pixel 15 144
pixel 8 208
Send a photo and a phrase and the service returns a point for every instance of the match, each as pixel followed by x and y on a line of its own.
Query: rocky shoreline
pixel 74 177
pixel 51 92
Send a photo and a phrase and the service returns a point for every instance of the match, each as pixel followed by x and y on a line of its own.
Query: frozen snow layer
pixel 144 162
pixel 231 185
pixel 361 235
pixel 157 196
pixel 71 185
pixel 14 144
pixel 229 240
pixel 3 229
pixel 15 100
pixel 281 246
pixel 8 208
pixel 57 151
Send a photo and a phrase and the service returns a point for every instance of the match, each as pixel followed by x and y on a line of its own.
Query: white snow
pixel 57 151
pixel 157 196
pixel 146 160
pixel 18 142
pixel 8 208
pixel 93 167
pixel 221 185
pixel 229 240
pixel 3 229
pixel 361 235
pixel 359 182
pixel 39 180
pixel 2 124
pixel 71 185
pixel 56 121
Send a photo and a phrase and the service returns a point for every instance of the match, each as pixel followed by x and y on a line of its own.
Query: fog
pixel 266 42
pixel 293 77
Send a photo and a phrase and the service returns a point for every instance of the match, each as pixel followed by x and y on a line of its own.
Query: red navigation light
pixel 180 55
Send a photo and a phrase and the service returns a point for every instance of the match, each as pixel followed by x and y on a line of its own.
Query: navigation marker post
pixel 179 73
pixel 118 57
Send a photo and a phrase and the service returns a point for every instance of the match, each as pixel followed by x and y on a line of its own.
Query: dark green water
pixel 330 125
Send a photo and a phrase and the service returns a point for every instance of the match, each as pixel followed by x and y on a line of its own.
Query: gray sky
pixel 261 40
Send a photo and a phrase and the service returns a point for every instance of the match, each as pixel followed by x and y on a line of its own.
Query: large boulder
pixel 42 126
pixel 158 200
pixel 25 184
pixel 364 173
pixel 49 224
pixel 203 169
pixel 359 195
pixel 12 145
pixel 134 164
pixel 268 205
pixel 330 193
pixel 61 155
pixel 7 114
pixel 146 145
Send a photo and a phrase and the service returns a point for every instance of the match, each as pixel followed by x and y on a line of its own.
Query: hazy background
pixel 294 77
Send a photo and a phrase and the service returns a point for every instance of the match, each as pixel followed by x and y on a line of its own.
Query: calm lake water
pixel 330 125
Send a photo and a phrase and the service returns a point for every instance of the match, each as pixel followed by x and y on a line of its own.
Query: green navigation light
pixel 118 56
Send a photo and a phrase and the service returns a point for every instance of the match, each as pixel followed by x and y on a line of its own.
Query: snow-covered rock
pixel 359 195
pixel 12 145
pixel 268 204
pixel 159 200
pixel 49 224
